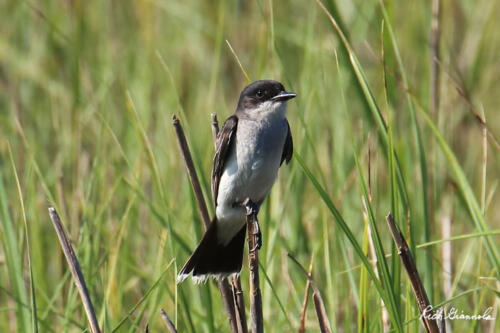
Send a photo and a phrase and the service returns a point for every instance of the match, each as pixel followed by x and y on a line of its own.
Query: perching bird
pixel 251 146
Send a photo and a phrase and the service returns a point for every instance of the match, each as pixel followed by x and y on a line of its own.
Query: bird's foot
pixel 252 210
pixel 250 207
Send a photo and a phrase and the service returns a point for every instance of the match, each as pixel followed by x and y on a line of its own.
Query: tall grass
pixel 87 93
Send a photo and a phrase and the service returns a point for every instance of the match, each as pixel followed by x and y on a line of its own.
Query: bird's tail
pixel 214 259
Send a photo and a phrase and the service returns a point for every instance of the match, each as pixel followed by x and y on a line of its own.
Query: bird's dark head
pixel 263 93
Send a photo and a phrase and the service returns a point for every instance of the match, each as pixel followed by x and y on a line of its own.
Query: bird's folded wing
pixel 225 139
pixel 288 147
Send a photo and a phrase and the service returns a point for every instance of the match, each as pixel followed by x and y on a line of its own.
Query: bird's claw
pixel 250 207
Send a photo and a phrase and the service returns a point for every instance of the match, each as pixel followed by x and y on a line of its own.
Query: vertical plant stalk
pixel 224 288
pixel 435 38
pixel 76 272
pixel 446 257
pixel 442 325
pixel 386 320
pixel 256 317
pixel 170 325
pixel 491 328
pixel 435 56
pixel 447 261
pixel 215 127
pixel 193 177
pixel 34 315
pixel 319 305
pixel 424 305
pixel 239 305
pixel 303 312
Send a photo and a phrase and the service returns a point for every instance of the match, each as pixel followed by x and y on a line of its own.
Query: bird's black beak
pixel 284 96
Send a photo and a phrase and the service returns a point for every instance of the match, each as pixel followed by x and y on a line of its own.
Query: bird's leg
pixel 252 210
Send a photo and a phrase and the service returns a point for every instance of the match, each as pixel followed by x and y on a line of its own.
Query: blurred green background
pixel 87 93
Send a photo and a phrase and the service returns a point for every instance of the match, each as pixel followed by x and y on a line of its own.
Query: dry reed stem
pixel 424 305
pixel 76 272
pixel 239 305
pixel 170 325
pixel 435 94
pixel 386 320
pixel 447 262
pixel 446 256
pixel 193 177
pixel 256 316
pixel 215 128
pixel 303 312
pixel 319 305
pixel 224 288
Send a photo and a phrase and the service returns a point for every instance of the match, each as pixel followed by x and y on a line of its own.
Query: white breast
pixel 252 166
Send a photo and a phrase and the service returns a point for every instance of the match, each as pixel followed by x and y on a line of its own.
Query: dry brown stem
pixel 239 305
pixel 76 272
pixel 215 128
pixel 256 316
pixel 170 325
pixel 319 305
pixel 411 269
pixel 303 312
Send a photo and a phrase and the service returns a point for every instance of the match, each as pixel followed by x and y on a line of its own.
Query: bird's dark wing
pixel 225 139
pixel 288 147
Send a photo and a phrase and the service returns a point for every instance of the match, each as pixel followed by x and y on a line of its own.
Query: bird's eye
pixel 259 93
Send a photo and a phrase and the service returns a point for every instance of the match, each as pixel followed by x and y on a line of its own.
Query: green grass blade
pixel 470 199
pixel 368 98
pixel 459 237
pixel 34 317
pixel 144 297
pixel 390 302
pixel 275 294
pixel 14 260
pixel 343 226
pixel 428 278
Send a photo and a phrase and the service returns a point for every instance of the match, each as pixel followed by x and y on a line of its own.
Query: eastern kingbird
pixel 251 146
